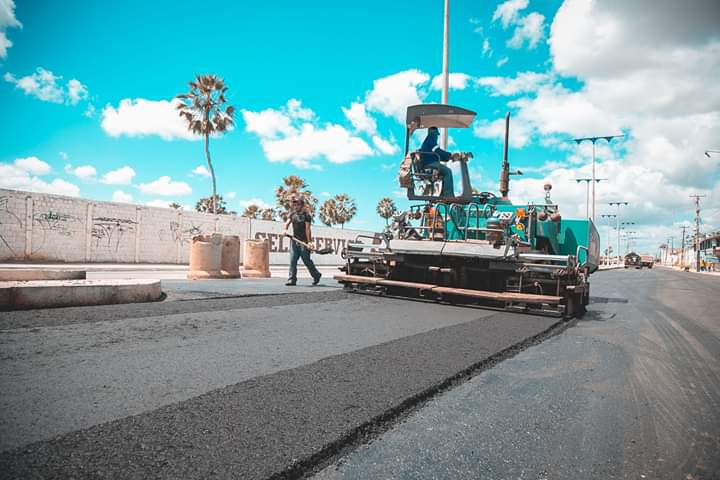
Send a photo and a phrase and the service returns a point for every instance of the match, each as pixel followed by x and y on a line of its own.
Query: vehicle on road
pixel 647 261
pixel 632 259
pixel 477 247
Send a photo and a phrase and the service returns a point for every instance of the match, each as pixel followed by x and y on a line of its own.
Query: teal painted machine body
pixel 525 222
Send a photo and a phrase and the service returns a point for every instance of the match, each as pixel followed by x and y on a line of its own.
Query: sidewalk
pixel 151 270
pixel 716 274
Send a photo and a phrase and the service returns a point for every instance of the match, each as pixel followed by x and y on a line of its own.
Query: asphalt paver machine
pixel 478 247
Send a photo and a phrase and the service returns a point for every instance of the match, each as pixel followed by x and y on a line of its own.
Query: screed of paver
pixel 58 379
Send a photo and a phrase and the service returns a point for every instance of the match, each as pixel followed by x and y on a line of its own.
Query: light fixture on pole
pixel 594 140
pixel 618 204
pixel 587 193
pixel 708 152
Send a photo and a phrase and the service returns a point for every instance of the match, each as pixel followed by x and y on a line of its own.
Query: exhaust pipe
pixel 505 171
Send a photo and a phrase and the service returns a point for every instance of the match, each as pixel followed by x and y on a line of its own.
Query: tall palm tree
pixel 208 204
pixel 328 212
pixel 386 208
pixel 251 211
pixel 206 113
pixel 293 186
pixel 268 214
pixel 345 208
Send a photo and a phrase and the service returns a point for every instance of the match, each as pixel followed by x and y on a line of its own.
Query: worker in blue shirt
pixel 432 155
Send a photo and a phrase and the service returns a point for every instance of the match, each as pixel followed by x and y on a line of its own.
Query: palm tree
pixel 208 204
pixel 251 211
pixel 293 186
pixel 345 208
pixel 268 214
pixel 205 112
pixel 175 205
pixel 328 212
pixel 386 209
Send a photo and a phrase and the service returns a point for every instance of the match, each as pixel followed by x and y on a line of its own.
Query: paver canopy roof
pixel 438 115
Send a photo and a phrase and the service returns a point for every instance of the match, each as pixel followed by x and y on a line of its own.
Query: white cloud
pixel 295 110
pixel 140 117
pixel 524 82
pixel 392 95
pixel 63 155
pixel 456 81
pixel 384 146
pixel 520 132
pixel 230 195
pixel 332 141
pixel 507 12
pixel 642 71
pixel 7 20
pixel 165 187
pixel 121 176
pixel 89 111
pixel 268 123
pixel 19 176
pixel 360 119
pixel 531 29
pixel 259 202
pixel 83 172
pixel 486 50
pixel 159 203
pixel 33 165
pixel 286 135
pixel 76 91
pixel 201 170
pixel 43 85
pixel 121 196
pixel 502 62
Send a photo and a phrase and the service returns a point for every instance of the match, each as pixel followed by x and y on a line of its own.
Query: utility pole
pixel 445 66
pixel 593 140
pixel 682 248
pixel 697 230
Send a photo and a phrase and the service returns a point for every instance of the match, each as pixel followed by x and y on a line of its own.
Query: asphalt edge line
pixel 380 424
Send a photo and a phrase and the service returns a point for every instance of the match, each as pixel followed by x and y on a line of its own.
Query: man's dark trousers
pixel 298 251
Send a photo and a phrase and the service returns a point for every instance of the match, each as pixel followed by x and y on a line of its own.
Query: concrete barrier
pixel 230 258
pixel 256 259
pixel 206 257
pixel 17 274
pixel 72 293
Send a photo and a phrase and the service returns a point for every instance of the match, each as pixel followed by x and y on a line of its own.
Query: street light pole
pixel 594 140
pixel 587 193
pixel 445 66
pixel 619 204
pixel 608 216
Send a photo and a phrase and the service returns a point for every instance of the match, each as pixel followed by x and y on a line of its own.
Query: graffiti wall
pixel 53 228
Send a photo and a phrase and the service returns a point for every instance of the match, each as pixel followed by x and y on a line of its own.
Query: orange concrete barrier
pixel 230 258
pixel 206 256
pixel 256 259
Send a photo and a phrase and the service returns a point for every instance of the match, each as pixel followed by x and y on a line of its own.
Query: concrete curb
pixel 73 293
pixel 24 275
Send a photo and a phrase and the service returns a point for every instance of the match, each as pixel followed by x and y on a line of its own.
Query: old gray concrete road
pixel 631 391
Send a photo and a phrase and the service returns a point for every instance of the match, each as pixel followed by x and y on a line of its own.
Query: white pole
pixel 445 75
pixel 593 183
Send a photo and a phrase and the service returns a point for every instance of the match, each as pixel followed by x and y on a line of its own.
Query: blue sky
pixel 89 84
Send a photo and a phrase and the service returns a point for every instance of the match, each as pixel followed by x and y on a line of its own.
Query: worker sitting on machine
pixel 431 155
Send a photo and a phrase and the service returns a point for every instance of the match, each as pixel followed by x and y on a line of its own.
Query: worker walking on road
pixel 300 219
